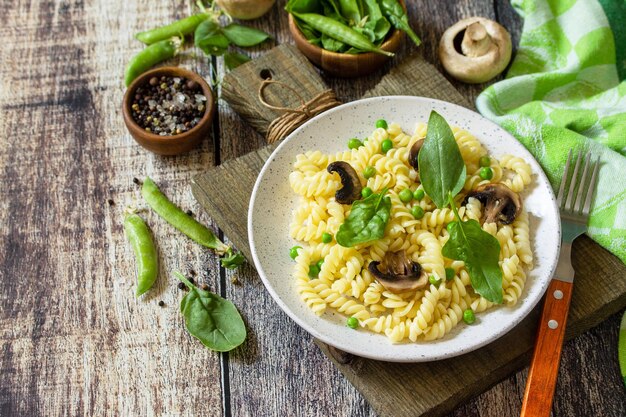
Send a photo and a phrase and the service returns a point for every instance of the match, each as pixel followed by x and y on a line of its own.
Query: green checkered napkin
pixel 565 90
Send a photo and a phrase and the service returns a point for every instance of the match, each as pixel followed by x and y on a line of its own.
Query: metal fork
pixel 574 201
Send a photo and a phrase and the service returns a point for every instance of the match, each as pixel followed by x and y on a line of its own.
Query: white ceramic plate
pixel 273 200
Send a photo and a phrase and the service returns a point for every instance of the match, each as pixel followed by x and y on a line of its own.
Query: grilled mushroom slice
pixel 501 203
pixel 414 153
pixel 351 189
pixel 398 273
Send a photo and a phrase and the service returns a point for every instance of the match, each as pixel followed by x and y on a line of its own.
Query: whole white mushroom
pixel 485 49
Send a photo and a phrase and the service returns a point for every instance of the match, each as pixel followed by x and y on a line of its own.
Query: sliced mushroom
pixel 352 187
pixel 399 274
pixel 414 153
pixel 475 50
pixel 501 203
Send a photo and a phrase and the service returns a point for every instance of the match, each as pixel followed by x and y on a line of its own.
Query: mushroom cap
pixel 400 274
pixel 485 49
pixel 351 189
pixel 414 153
pixel 501 203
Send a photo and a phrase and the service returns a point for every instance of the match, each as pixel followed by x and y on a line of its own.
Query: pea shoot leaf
pixel 366 222
pixel 231 259
pixel 244 36
pixel 209 37
pixel 480 251
pixel 441 166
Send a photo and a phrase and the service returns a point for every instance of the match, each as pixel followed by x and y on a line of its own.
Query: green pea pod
pixel 138 234
pixel 150 56
pixel 181 27
pixel 340 32
pixel 398 18
pixel 172 214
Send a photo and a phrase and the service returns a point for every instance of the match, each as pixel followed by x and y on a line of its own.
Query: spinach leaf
pixel 244 36
pixel 211 319
pixel 376 21
pixel 209 37
pixel 441 166
pixel 367 220
pixel 480 251
pixel 331 44
pixel 350 11
pixel 231 259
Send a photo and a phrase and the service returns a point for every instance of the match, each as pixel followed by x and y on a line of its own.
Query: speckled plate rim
pixel 420 351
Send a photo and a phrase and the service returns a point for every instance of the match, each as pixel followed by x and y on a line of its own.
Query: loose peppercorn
pixel 189 213
pixel 161 303
pixel 193 281
pixel 136 181
pixel 205 287
pixel 181 286
pixel 111 202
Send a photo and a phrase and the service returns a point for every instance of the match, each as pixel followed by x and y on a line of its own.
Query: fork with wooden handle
pixel 574 204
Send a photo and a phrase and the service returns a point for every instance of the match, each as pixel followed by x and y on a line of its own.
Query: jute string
pixel 294 117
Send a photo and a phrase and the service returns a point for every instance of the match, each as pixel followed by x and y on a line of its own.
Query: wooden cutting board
pixel 423 389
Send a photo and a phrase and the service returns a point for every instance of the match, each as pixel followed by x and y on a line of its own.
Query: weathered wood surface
pixel 73 340
pixel 433 388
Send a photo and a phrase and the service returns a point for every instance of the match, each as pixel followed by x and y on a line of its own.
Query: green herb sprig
pixel 442 172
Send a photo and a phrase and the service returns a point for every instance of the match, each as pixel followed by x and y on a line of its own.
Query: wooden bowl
pixel 175 144
pixel 341 64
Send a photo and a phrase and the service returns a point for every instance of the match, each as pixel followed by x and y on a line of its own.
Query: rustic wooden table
pixel 73 339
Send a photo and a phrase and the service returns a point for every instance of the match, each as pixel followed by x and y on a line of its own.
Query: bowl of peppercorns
pixel 169 110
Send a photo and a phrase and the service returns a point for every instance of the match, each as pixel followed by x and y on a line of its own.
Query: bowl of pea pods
pixel 349 38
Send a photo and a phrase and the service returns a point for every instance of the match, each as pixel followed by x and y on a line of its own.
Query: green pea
pixel 484 161
pixel 366 192
pixel 419 194
pixel 434 280
pixel 381 123
pixel 354 143
pixel 450 274
pixel 417 212
pixel 468 316
pixel 405 195
pixel 327 237
pixel 369 172
pixel 314 270
pixel 386 145
pixel 293 252
pixel 352 322
pixel 320 263
pixel 486 173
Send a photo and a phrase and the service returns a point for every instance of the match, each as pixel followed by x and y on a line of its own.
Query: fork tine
pixel 592 187
pixel 578 206
pixel 559 199
pixel 572 183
